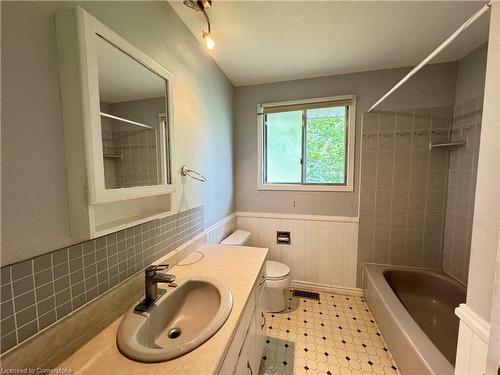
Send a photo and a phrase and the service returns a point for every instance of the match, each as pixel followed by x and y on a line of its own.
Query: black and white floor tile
pixel 336 335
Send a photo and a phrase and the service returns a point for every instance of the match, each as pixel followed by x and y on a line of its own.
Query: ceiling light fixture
pixel 200 6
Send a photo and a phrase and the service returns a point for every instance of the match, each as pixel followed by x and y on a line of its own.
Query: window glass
pixel 325 146
pixel 283 144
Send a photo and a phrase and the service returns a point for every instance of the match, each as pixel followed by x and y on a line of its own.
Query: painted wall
pixel 433 87
pixel 485 233
pixel 35 215
pixel 471 71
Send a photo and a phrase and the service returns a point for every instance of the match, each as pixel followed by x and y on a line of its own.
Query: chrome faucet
pixel 152 292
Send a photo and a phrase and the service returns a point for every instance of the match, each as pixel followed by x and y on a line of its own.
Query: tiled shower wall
pixel 39 291
pixel 131 153
pixel 461 189
pixel 138 161
pixel 403 187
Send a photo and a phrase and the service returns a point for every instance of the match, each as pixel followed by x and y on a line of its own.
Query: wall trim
pixel 358 292
pixel 474 321
pixel 272 215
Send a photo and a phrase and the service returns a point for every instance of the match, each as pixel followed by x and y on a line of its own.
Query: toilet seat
pixel 276 271
pixel 277 275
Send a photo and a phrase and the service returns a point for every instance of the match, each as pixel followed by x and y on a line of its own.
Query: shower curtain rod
pixel 443 45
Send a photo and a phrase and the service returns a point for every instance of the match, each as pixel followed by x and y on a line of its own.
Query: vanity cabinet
pixel 260 341
pixel 247 347
pixel 247 359
pixel 118 131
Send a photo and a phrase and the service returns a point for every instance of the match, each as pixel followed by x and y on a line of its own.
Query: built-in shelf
pixel 448 146
pixel 113 156
pixel 104 114
pixel 117 225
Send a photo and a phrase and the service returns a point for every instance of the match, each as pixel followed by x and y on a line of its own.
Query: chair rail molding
pixel 273 215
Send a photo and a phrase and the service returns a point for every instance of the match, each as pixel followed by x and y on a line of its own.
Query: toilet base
pixel 275 300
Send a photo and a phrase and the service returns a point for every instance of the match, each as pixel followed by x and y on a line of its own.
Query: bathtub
pixel 414 309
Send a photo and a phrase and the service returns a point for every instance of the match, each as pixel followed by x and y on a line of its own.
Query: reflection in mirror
pixel 133 122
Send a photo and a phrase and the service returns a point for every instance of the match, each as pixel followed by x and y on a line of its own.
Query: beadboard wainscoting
pixel 323 249
pixel 473 339
pixel 220 230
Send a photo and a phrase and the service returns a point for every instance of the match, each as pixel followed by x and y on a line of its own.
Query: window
pixel 307 145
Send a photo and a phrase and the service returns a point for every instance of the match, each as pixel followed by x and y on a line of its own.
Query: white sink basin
pixel 180 321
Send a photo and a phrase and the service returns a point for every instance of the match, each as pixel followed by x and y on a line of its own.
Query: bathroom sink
pixel 178 322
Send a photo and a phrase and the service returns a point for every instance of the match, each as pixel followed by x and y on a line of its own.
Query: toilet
pixel 278 277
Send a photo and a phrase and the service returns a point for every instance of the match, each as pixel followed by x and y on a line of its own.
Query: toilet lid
pixel 276 269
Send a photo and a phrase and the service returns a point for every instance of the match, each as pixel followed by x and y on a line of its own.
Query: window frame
pixel 350 148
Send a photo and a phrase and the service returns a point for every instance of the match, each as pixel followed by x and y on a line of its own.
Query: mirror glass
pixel 133 120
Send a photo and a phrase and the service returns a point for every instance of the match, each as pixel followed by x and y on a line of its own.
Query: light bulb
pixel 209 42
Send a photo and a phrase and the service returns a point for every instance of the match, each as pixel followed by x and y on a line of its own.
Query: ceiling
pixel 269 41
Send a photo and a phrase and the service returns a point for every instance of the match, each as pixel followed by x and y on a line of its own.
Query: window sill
pixel 298 187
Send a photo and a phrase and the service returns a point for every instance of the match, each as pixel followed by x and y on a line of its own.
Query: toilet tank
pixel 238 238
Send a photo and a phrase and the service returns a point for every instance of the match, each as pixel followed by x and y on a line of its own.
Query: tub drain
pixel 174 333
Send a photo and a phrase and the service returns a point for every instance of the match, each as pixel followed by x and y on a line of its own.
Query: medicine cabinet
pixel 117 116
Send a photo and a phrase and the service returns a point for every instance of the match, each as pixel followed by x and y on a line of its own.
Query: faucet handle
pixel 151 270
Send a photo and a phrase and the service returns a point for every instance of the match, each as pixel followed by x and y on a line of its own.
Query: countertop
pixel 236 266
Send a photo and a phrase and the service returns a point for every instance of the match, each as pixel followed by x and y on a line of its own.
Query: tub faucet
pixel 151 280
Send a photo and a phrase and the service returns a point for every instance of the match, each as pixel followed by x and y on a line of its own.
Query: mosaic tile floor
pixel 334 336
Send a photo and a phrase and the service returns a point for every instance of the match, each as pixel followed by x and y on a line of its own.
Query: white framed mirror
pixel 131 118
pixel 118 127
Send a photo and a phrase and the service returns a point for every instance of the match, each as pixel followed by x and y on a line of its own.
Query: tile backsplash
pixel 38 292
pixel 403 187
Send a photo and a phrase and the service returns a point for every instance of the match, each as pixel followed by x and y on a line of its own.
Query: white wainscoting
pixel 323 250
pixel 220 230
pixel 473 338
